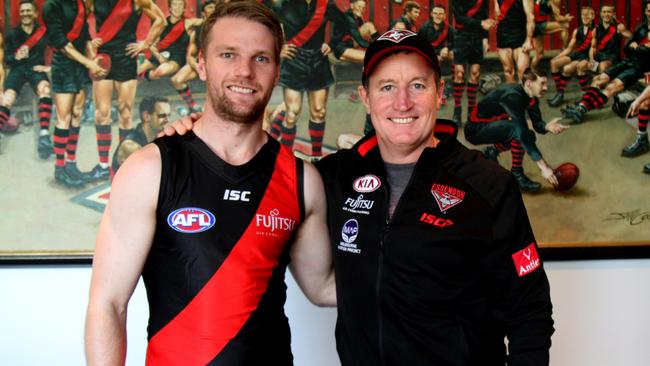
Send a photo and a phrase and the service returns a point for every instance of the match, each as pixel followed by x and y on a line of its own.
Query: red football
pixel 104 61
pixel 567 175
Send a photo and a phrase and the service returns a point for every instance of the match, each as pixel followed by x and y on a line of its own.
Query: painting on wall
pixel 43 220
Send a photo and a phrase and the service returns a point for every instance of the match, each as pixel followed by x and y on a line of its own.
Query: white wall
pixel 602 313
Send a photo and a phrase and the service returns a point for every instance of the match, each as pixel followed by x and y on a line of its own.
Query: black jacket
pixel 437 283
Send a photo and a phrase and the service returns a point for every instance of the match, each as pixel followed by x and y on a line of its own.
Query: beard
pixel 228 110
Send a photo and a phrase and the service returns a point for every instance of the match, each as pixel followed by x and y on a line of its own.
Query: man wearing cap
pixel 434 256
pixel 435 259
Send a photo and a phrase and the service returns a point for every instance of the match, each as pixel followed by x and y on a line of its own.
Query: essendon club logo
pixel 526 260
pixel 366 184
pixel 396 35
pixel 446 197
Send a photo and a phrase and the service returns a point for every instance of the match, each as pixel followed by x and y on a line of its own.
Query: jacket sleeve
pixel 536 117
pixel 522 299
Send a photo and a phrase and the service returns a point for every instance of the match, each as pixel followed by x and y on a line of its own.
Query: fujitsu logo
pixel 359 202
pixel 273 222
pixel 526 260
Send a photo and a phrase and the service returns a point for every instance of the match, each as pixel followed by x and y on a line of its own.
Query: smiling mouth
pixel 402 120
pixel 241 89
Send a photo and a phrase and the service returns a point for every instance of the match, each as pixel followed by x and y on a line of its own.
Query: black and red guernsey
pixel 215 272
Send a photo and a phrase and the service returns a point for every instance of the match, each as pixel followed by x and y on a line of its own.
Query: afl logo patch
pixel 366 184
pixel 190 220
pixel 350 231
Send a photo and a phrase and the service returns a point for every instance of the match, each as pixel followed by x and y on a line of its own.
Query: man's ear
pixel 146 117
pixel 363 94
pixel 201 66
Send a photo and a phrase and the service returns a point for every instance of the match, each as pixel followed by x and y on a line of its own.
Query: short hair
pixel 529 75
pixel 30 2
pixel 148 104
pixel 206 3
pixel 169 2
pixel 439 6
pixel 250 10
pixel 607 5
pixel 410 5
pixel 355 1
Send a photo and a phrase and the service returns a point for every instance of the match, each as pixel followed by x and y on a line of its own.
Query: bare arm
pixel 623 31
pixel 530 25
pixel 158 23
pixel 636 104
pixel 571 46
pixel 77 56
pixel 311 255
pixel 123 243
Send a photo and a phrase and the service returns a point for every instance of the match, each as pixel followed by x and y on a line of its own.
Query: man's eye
pixel 262 59
pixel 227 55
pixel 387 88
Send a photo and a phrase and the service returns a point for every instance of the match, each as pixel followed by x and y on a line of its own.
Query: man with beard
pixel 116 22
pixel 26 58
pixel 207 219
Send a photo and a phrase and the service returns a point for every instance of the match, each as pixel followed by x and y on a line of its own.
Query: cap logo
pixel 396 35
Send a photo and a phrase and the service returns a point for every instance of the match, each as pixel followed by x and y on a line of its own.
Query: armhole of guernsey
pixel 163 146
pixel 300 182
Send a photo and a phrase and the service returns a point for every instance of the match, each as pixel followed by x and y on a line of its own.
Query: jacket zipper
pixel 380 265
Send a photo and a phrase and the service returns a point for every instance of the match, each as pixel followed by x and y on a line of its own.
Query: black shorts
pixel 123 67
pixel 68 76
pixel 579 56
pixel 309 70
pixel 510 36
pixel 177 57
pixel 602 56
pixel 540 29
pixel 468 48
pixel 18 76
pixel 627 72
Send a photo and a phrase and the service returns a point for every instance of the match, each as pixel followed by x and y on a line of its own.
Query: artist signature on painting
pixel 634 217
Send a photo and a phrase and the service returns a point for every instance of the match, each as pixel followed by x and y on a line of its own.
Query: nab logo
pixel 435 221
pixel 350 231
pixel 190 220
pixel 366 184
pixel 235 195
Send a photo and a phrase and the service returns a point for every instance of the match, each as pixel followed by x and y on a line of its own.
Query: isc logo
pixel 235 195
pixel 435 221
pixel 190 220
pixel 366 184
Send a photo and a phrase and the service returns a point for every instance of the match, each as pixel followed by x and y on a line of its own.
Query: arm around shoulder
pixel 123 243
pixel 311 254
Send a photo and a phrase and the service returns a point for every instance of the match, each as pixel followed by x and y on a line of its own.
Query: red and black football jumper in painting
pixel 215 272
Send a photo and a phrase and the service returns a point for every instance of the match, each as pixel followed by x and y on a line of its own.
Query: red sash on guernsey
pixel 644 41
pixel 505 8
pixel 173 35
pixel 312 26
pixel 197 334
pixel 115 20
pixel 610 33
pixel 587 43
pixel 475 118
pixel 471 12
pixel 79 21
pixel 34 38
pixel 539 18
pixel 441 38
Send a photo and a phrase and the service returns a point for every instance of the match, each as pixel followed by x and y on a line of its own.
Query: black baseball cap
pixel 397 40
